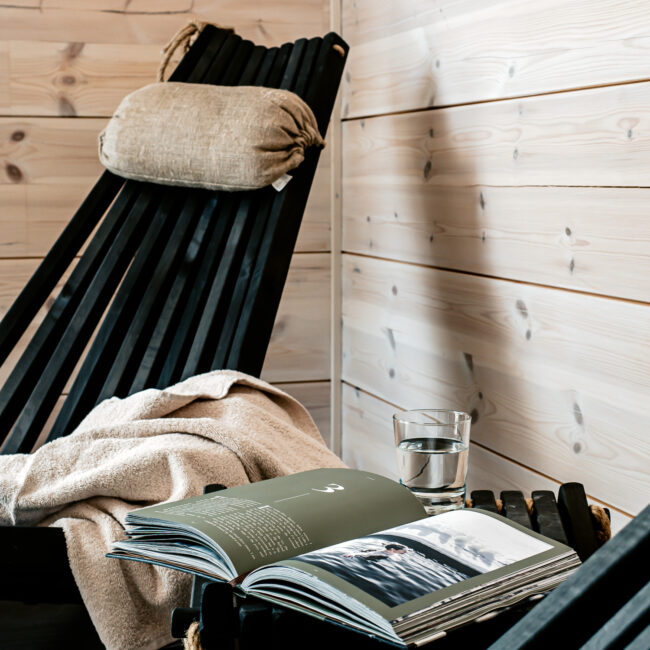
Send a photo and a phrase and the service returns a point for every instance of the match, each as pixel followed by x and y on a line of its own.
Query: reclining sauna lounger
pixel 190 281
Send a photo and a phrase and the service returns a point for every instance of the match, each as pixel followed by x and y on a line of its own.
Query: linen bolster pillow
pixel 216 137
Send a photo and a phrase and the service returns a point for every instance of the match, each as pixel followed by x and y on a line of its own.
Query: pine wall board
pixel 372 448
pixel 495 239
pixel 416 55
pixel 64 67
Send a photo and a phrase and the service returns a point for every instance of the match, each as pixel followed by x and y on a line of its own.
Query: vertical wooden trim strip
pixel 335 255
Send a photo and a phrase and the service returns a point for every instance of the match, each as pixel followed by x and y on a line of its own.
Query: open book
pixel 353 547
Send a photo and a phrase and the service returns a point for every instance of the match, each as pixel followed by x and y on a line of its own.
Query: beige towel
pixel 154 446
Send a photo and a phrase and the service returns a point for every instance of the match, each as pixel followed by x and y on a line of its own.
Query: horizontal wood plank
pixel 315 396
pixel 456 53
pixel 72 79
pixel 555 380
pixel 368 444
pixel 597 137
pixel 590 239
pixel 300 342
pixel 146 21
pixel 299 348
pixel 48 166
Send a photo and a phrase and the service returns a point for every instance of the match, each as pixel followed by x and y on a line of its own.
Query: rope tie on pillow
pixel 185 37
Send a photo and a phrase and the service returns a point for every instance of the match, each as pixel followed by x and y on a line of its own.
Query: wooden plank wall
pixel 64 67
pixel 496 240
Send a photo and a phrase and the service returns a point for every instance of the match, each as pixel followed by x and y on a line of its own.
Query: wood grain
pixel 299 348
pixel 368 444
pixel 597 137
pixel 590 239
pixel 146 21
pixel 48 165
pixel 459 52
pixel 72 79
pixel 555 380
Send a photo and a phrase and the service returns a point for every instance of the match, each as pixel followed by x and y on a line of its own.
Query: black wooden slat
pixel 485 500
pixel 312 49
pixel 290 75
pixel 625 625
pixel 177 354
pixel 577 609
pixel 576 519
pixel 514 507
pixel 188 68
pixel 160 339
pixel 29 369
pixel 279 65
pixel 298 68
pixel 57 260
pixel 259 212
pixel 546 516
pixel 92 374
pixel 328 70
pixel 267 282
pixel 157 266
pixel 64 357
pixel 207 334
pixel 238 64
pixel 178 351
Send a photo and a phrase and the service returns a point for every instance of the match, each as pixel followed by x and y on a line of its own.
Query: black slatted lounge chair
pixel 190 281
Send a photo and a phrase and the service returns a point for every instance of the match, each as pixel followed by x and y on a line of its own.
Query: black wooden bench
pixel 228 621
pixel 183 281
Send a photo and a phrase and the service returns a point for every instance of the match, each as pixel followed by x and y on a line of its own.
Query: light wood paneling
pixel 459 52
pixel 315 396
pixel 48 165
pixel 99 21
pixel 73 79
pixel 299 348
pixel 368 444
pixel 590 239
pixel 557 381
pixel 591 137
pixel 49 150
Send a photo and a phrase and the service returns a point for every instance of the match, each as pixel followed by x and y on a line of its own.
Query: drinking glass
pixel 432 451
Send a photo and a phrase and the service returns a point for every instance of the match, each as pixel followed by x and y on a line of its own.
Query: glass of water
pixel 432 451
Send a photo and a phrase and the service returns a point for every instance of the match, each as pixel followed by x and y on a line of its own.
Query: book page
pixel 404 568
pixel 265 522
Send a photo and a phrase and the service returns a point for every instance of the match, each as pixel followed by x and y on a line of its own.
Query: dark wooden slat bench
pixel 227 621
pixel 174 282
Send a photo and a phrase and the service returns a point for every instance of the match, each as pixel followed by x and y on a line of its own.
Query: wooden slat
pixel 596 137
pixel 57 165
pixel 368 444
pixel 315 396
pixel 591 239
pixel 103 22
pixel 299 348
pixel 469 52
pixel 555 380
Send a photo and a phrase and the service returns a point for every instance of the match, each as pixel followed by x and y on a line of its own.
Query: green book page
pixel 265 522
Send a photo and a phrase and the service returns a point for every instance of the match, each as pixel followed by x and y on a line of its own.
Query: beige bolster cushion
pixel 217 137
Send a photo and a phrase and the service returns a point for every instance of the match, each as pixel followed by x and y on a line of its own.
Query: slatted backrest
pixel 186 280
